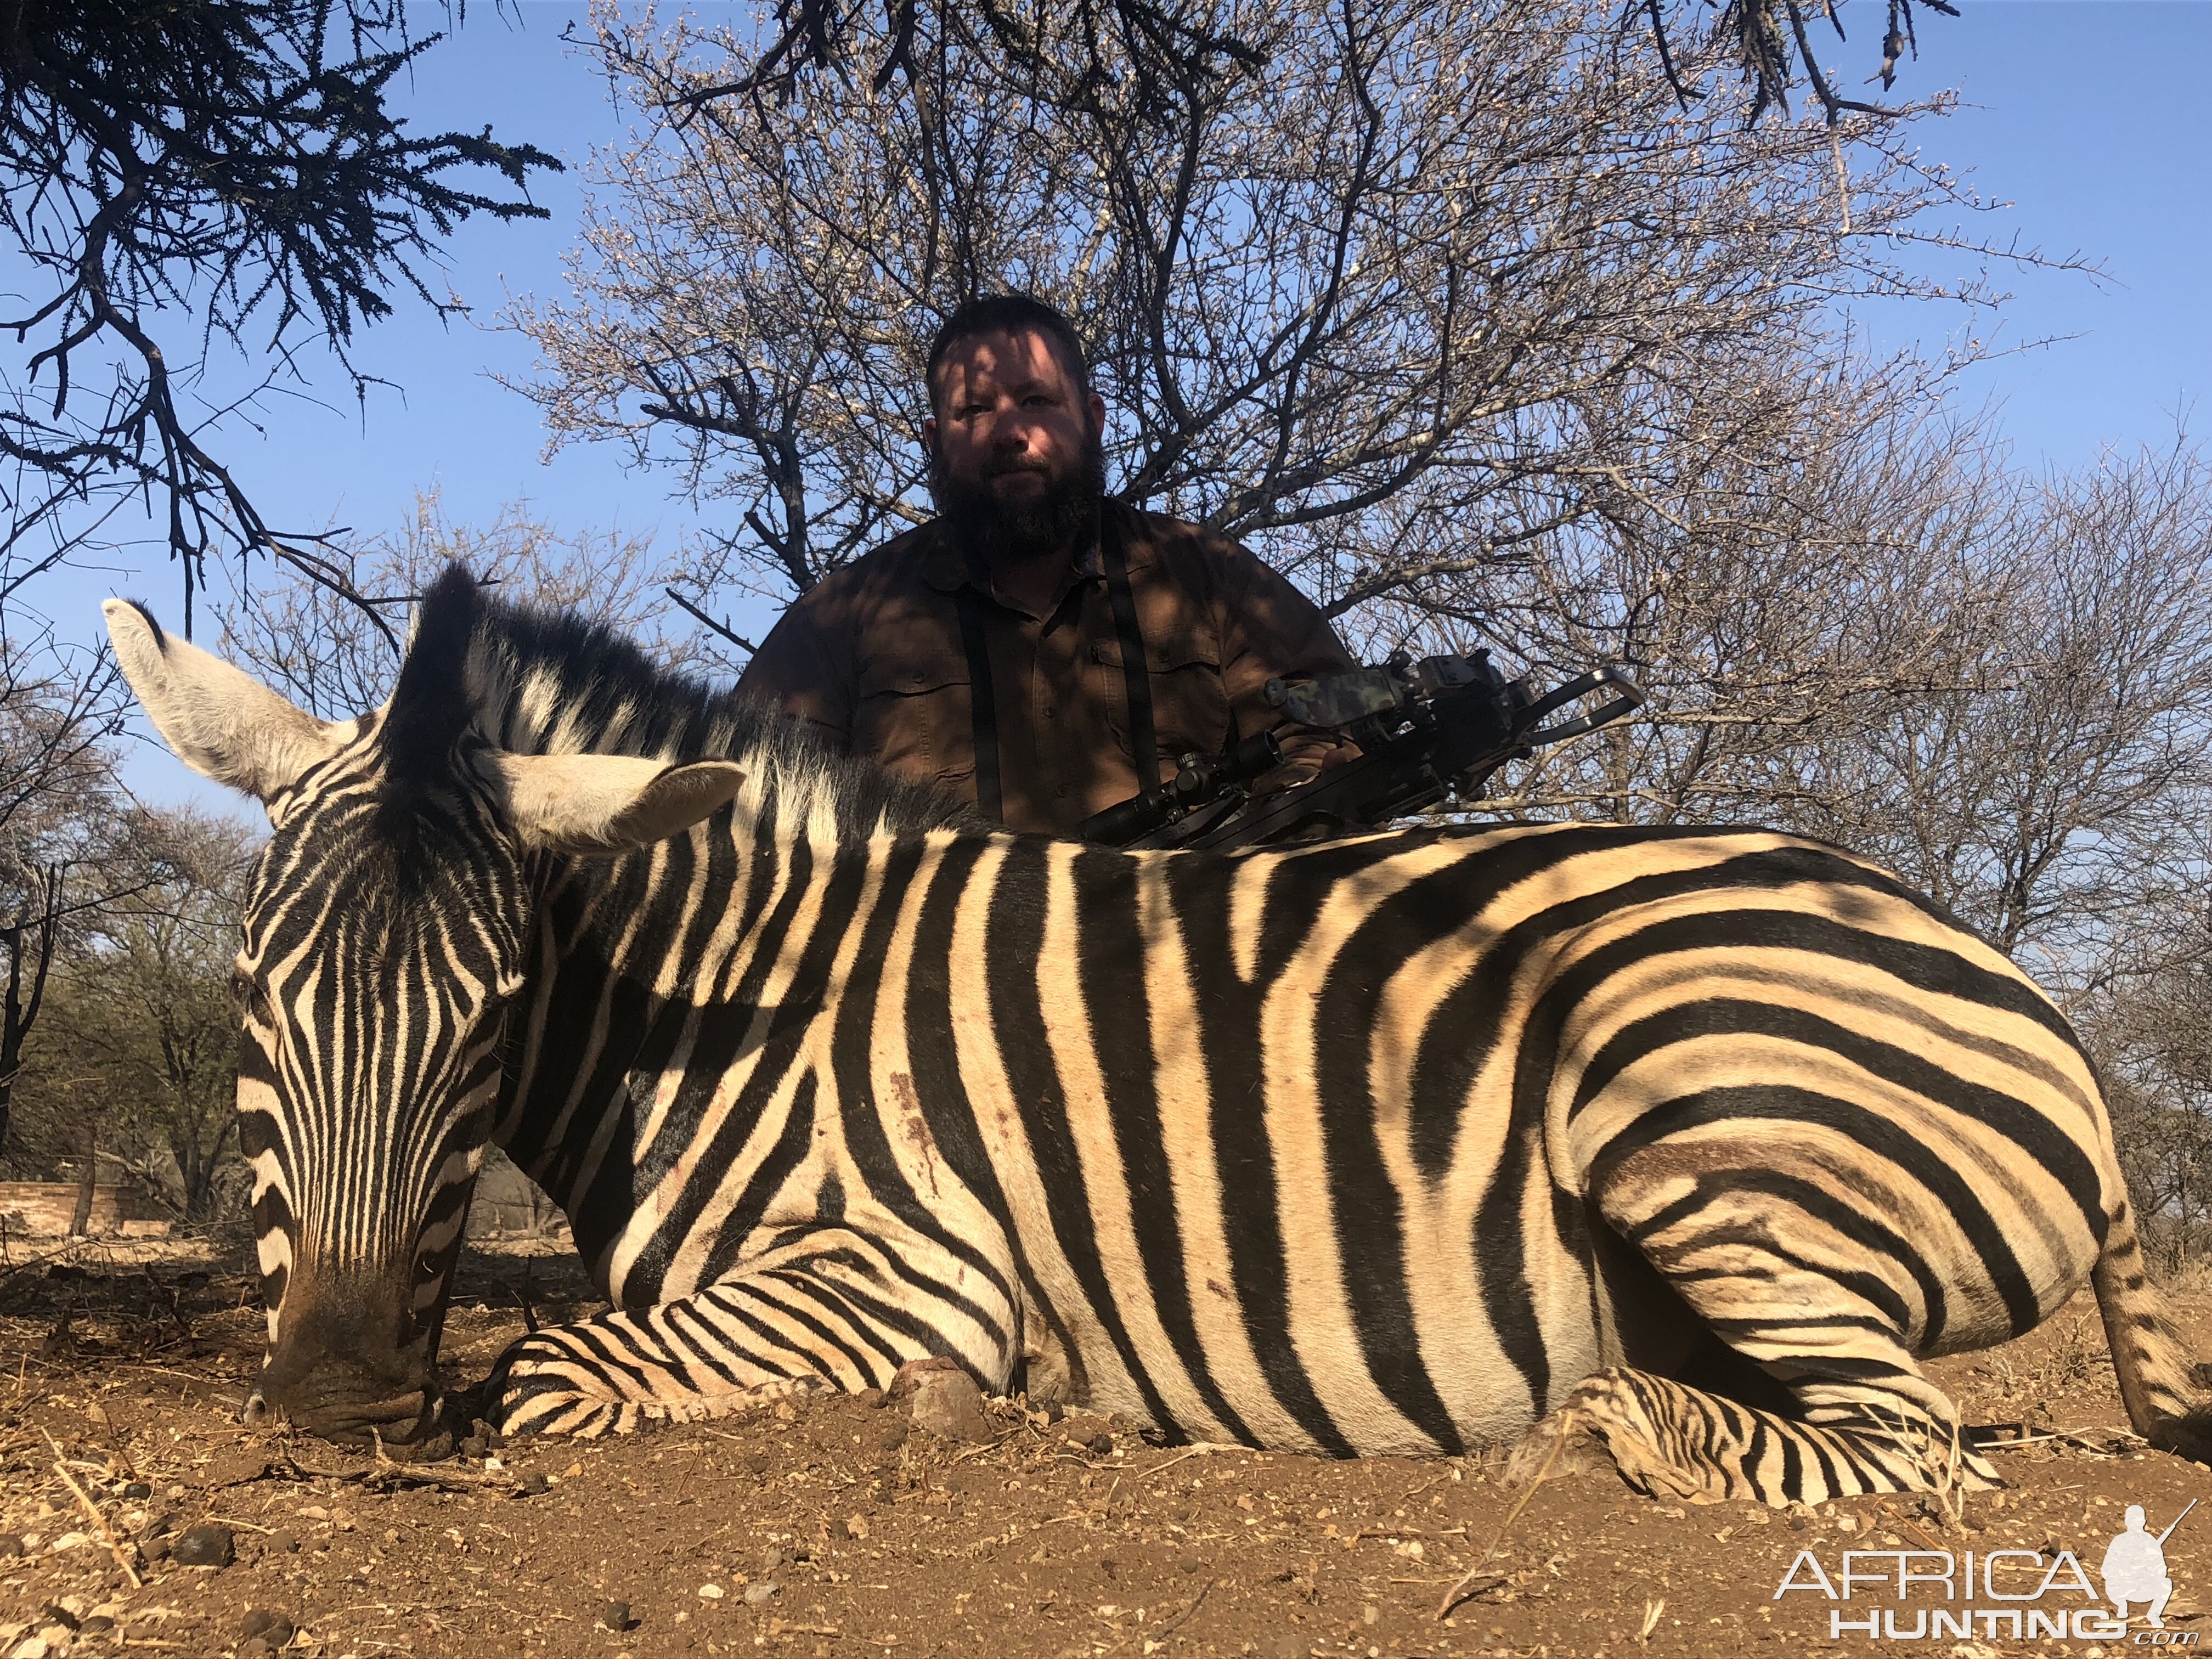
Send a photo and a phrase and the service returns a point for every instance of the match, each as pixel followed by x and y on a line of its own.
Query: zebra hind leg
pixel 1669 1440
pixel 1820 1324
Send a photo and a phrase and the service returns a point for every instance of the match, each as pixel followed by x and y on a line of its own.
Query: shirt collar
pixel 945 567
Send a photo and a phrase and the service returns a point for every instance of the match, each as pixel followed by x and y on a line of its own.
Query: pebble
pixel 98 1625
pixel 155 1549
pixel 1190 1563
pixel 270 1625
pixel 160 1526
pixel 1100 1445
pixel 284 1541
pixel 208 1544
pixel 874 1399
pixel 714 1593
pixel 138 1491
pixel 893 1437
pixel 616 1616
pixel 535 1484
pixel 761 1591
pixel 758 1462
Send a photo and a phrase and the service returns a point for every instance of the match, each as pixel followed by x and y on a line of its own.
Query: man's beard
pixel 1057 519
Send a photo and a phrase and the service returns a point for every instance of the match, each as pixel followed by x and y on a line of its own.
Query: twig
pixel 987 1446
pixel 723 629
pixel 1198 1449
pixel 115 1549
pixel 1569 1421
pixel 1184 1617
pixel 1408 1532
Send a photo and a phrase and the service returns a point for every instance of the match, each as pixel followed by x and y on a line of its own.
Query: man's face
pixel 1016 448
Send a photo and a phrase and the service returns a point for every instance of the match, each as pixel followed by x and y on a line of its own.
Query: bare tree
pixel 139 1045
pixel 60 710
pixel 315 645
pixel 1446 281
pixel 1999 685
pixel 1766 41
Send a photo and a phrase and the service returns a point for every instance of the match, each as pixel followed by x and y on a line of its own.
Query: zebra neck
pixel 680 998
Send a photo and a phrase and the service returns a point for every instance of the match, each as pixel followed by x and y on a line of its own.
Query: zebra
pixel 1698 1139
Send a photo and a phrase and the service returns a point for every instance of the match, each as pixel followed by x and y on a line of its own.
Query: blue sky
pixel 2086 115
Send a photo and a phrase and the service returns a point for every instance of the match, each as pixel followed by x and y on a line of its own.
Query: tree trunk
pixel 19 1012
pixel 82 1221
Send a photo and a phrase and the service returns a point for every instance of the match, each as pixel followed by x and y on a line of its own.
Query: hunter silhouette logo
pixel 2134 1566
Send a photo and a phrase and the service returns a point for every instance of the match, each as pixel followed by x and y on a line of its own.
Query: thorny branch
pixel 228 160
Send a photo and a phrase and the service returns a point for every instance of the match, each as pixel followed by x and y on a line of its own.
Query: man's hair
pixel 1008 314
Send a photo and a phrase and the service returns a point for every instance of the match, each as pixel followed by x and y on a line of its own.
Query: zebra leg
pixel 1860 1417
pixel 1672 1441
pixel 730 1348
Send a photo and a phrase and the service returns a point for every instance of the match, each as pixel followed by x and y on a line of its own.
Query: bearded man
pixel 1038 648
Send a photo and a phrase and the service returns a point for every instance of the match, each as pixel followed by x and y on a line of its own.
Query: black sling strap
pixel 975 643
pixel 989 800
pixel 1134 676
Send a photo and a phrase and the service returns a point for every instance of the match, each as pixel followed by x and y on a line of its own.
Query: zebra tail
pixel 2166 1391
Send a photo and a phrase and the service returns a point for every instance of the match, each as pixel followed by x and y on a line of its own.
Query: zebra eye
pixel 427 1267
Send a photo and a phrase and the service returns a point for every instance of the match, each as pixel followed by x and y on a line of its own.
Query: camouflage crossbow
pixel 1429 731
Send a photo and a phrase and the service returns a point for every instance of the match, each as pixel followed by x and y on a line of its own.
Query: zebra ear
pixel 220 721
pixel 609 804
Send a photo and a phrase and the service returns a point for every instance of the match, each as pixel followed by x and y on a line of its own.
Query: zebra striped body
pixel 1296 1148
pixel 1395 1145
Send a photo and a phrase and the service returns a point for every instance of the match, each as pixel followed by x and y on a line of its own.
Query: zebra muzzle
pixel 411 1426
pixel 325 1376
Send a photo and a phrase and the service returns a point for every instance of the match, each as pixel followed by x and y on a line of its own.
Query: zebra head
pixel 383 941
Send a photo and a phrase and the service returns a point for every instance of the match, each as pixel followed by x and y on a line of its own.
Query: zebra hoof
pixel 1558 1445
pixel 1617 1417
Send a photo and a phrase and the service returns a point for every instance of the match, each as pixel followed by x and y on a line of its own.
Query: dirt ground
pixel 837 1529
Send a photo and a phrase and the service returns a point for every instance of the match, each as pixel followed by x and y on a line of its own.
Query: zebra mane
pixel 539 681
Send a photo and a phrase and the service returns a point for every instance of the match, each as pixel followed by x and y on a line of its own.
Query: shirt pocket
pixel 914 716
pixel 1190 709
